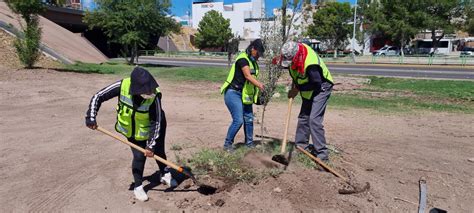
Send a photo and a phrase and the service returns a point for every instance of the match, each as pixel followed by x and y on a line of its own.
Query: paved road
pixel 416 71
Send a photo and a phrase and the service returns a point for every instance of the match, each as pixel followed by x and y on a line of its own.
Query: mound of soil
pixel 259 161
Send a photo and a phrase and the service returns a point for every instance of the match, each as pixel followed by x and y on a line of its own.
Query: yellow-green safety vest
pixel 133 122
pixel 249 92
pixel 300 79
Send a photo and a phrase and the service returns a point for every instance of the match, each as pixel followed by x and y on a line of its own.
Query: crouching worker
pixel 140 118
pixel 312 79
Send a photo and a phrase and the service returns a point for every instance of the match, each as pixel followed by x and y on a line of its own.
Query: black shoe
pixel 229 149
pixel 310 148
pixel 251 146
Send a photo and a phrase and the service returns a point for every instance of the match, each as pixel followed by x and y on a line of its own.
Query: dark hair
pixel 256 44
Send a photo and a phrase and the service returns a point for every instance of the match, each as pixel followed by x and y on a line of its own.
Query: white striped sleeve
pixel 104 94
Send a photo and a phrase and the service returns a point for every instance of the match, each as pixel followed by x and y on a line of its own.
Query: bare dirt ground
pixel 49 160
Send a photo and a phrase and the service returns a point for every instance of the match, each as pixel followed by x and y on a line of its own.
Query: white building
pixel 244 17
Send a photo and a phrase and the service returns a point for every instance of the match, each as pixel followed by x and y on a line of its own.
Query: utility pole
pixel 353 32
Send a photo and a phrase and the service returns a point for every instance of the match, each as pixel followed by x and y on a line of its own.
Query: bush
pixel 27 47
pixel 222 164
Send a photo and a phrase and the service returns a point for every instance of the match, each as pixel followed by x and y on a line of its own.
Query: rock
pixel 187 184
pixel 369 169
pixel 471 160
pixel 276 95
pixel 277 189
pixel 219 202
pixel 401 181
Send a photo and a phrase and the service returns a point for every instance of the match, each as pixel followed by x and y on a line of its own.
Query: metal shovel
pixel 280 158
pixel 203 188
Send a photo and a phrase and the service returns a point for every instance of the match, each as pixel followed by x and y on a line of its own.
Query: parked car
pixel 467 51
pixel 387 50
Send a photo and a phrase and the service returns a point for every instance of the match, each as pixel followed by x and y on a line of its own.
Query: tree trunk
pixel 136 52
pixel 283 19
pixel 402 46
pixel 262 126
pixel 435 40
pixel 132 56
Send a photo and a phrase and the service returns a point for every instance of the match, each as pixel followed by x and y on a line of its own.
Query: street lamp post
pixel 353 32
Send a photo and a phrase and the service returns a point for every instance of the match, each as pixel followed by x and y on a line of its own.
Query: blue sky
pixel 179 7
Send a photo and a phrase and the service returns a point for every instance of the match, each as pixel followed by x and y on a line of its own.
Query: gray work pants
pixel 310 122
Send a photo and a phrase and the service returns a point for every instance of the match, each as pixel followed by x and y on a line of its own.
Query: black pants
pixel 139 159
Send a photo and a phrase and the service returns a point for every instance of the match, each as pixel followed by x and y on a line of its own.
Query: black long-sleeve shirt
pixel 113 90
pixel 315 79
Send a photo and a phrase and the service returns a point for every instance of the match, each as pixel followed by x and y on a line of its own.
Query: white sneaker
pixel 140 193
pixel 168 180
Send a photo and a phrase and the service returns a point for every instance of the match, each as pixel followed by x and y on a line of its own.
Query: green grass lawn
pixel 209 74
pixel 403 95
pixel 381 94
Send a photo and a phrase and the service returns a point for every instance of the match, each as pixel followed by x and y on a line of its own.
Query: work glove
pixel 293 93
pixel 91 123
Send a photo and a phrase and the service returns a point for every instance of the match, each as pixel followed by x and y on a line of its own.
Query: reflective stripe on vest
pixel 131 122
pixel 249 91
pixel 300 79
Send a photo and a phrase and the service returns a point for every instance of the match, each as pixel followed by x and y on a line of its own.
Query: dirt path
pixel 49 161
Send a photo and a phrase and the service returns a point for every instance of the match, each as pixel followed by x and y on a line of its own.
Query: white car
pixel 387 50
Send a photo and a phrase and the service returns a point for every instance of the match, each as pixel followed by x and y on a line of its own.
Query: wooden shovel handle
pixel 168 163
pixel 287 125
pixel 320 162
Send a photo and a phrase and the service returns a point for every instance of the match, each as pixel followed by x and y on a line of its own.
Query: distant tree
pixel 132 23
pixel 361 19
pixel 288 21
pixel 330 24
pixel 27 45
pixel 437 16
pixel 468 16
pixel 213 31
pixel 397 20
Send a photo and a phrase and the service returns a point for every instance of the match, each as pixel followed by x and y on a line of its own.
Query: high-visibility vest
pixel 249 92
pixel 133 122
pixel 301 79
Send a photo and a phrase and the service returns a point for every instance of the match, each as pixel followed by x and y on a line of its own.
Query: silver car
pixel 387 50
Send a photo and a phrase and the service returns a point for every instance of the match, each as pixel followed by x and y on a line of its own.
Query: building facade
pixel 244 17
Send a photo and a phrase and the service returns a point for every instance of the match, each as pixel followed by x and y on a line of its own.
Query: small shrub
pixel 229 166
pixel 222 164
pixel 176 147
pixel 27 47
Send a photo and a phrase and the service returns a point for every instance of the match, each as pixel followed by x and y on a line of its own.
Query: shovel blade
pixel 280 159
pixel 202 188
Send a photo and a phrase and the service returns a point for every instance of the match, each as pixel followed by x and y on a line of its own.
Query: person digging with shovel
pixel 140 119
pixel 312 79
